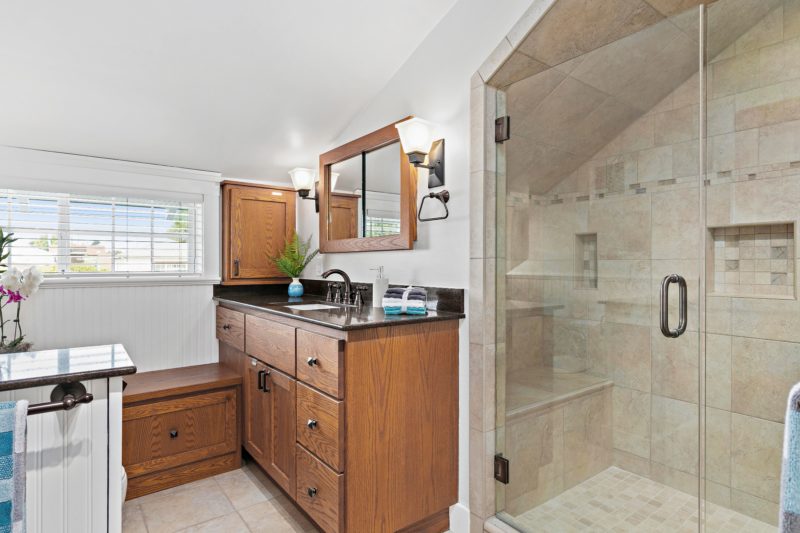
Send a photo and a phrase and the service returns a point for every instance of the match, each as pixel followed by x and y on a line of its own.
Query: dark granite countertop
pixel 343 318
pixel 50 367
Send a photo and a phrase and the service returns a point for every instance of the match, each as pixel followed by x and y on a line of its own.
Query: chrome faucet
pixel 346 278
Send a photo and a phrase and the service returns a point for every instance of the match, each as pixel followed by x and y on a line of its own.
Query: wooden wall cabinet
pixel 360 429
pixel 256 222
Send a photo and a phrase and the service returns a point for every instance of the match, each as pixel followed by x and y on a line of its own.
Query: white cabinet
pixel 74 461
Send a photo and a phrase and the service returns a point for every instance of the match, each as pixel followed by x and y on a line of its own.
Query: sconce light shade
pixel 416 136
pixel 334 179
pixel 303 180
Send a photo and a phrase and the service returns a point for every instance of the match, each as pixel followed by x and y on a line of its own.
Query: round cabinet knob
pixel 312 491
pixel 312 424
pixel 312 361
pixel 173 433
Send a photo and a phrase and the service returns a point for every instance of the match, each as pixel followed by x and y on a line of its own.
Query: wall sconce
pixel 417 139
pixel 303 179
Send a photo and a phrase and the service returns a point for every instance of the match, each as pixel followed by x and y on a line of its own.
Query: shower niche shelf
pixel 586 261
pixel 752 261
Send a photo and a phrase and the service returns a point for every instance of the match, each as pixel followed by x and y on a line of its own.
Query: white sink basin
pixel 311 307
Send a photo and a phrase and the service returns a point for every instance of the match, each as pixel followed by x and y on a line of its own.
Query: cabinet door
pixel 257 413
pixel 344 217
pixel 281 446
pixel 261 220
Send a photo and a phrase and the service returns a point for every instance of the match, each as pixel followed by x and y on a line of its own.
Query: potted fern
pixel 293 260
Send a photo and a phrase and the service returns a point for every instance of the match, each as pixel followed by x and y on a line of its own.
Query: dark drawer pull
pixel 266 375
pixel 226 326
pixel 173 433
pixel 312 424
pixel 261 379
pixel 312 491
pixel 312 361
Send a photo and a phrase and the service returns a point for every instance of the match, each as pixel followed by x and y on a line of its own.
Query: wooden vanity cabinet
pixel 269 421
pixel 362 430
pixel 256 222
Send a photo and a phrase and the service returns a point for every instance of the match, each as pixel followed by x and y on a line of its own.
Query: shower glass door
pixel 600 200
pixel 752 341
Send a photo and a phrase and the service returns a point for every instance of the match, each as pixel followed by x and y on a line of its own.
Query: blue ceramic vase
pixel 295 288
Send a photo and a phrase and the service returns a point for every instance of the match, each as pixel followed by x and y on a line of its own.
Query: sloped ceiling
pixel 250 88
pixel 585 73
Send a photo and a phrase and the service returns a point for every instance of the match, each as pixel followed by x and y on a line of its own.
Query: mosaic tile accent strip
pixel 586 261
pixel 754 261
pixel 620 501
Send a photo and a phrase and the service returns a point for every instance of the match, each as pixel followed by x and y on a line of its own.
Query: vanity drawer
pixel 320 362
pixel 320 491
pixel 271 342
pixel 320 425
pixel 230 327
pixel 177 431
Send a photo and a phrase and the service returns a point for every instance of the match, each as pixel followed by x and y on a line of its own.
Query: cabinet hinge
pixel 501 468
pixel 502 129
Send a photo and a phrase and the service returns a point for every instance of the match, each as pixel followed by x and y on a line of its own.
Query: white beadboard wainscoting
pixel 161 326
pixel 74 461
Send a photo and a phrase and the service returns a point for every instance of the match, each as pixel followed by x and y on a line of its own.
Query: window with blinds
pixel 378 226
pixel 68 235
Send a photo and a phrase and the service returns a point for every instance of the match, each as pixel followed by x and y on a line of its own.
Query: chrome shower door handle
pixel 664 307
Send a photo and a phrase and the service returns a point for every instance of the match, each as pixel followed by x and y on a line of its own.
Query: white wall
pixel 162 322
pixel 435 85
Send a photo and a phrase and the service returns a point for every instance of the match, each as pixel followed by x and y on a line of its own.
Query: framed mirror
pixel 367 195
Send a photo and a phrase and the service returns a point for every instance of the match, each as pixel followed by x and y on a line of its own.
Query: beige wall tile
pixel 676 213
pixel 763 374
pixel 758 508
pixel 718 371
pixel 685 159
pixel 767 200
pixel 756 447
pixel 632 463
pixel 481 480
pixel 733 75
pixel 746 148
pixel 631 421
pixel 721 114
pixel 766 319
pixel 768 30
pixel 674 478
pixel 779 143
pixel 791 19
pixel 624 350
pixel 655 164
pixel 718 446
pixel 718 493
pixel 677 125
pixel 675 434
pixel 535 445
pixel 623 227
pixel 587 437
pixel 517 67
pixel 675 363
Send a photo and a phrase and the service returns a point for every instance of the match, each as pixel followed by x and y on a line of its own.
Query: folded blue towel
pixel 13 428
pixel 409 301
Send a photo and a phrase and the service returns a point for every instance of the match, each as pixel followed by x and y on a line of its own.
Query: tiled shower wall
pixel 640 195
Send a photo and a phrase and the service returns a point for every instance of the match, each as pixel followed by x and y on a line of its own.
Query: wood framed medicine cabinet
pixel 384 219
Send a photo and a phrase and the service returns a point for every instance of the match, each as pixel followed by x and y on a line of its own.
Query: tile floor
pixel 243 500
pixel 619 501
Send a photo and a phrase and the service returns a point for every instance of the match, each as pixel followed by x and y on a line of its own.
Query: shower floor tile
pixel 618 501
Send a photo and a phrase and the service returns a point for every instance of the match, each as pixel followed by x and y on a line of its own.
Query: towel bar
pixel 63 398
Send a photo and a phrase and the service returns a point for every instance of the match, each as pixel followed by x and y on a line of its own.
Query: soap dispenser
pixel 379 287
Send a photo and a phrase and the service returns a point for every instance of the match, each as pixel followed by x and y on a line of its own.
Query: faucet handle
pixel 359 297
pixel 329 294
pixel 337 298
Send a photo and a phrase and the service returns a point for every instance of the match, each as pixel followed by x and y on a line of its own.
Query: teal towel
pixel 13 428
pixel 790 470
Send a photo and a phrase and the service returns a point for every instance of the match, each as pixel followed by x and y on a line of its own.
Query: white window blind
pixel 72 235
pixel 380 225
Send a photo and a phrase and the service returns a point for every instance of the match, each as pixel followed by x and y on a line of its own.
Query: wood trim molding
pixel 408 195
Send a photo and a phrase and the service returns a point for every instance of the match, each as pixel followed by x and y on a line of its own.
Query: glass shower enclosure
pixel 648 328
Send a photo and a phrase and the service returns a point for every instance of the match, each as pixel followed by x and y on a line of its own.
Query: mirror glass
pixel 365 200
